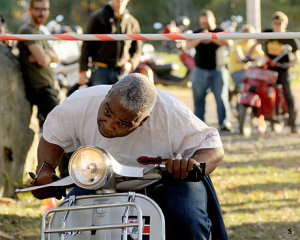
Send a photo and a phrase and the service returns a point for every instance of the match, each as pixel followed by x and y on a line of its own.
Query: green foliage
pixel 12 12
pixel 76 12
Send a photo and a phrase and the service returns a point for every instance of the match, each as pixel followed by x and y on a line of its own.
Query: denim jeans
pixel 104 76
pixel 217 82
pixel 184 205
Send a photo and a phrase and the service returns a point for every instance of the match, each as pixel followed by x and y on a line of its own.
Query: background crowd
pixel 216 61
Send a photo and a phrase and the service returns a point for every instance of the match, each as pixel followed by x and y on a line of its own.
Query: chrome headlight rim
pixel 105 175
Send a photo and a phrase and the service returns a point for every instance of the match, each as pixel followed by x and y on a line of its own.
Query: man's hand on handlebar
pixel 46 174
pixel 180 167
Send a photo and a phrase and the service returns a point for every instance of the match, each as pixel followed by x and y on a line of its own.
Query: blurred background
pixel 76 12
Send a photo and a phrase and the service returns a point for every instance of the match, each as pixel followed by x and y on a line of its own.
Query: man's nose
pixel 110 125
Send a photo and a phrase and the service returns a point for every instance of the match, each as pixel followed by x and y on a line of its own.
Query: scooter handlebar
pixel 195 175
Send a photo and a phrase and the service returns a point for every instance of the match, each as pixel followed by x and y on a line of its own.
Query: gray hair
pixel 136 92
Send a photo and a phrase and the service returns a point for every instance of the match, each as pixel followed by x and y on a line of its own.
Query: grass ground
pixel 258 186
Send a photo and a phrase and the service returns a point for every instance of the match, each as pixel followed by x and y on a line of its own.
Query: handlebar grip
pixel 197 174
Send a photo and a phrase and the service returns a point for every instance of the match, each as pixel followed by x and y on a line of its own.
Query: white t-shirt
pixel 171 129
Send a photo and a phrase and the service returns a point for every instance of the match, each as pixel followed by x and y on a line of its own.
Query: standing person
pixel 239 54
pixel 110 59
pixel 210 71
pixel 273 48
pixel 2 25
pixel 35 58
pixel 131 119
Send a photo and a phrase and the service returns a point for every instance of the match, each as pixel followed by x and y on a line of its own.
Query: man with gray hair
pixel 132 119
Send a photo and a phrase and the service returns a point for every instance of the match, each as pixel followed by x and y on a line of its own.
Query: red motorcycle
pixel 262 98
pixel 162 73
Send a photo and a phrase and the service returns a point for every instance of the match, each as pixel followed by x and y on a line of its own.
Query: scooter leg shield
pixel 251 99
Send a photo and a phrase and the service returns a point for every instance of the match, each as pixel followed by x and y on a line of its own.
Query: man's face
pixel 115 121
pixel 278 25
pixel 119 6
pixel 206 22
pixel 39 12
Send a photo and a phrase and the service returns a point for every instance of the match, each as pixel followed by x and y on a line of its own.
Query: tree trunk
pixel 15 135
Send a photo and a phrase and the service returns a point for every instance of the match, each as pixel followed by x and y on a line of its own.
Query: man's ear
pixel 142 122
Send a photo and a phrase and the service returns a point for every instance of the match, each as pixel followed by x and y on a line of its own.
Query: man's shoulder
pixel 27 28
pixel 171 103
pixel 105 10
pixel 165 96
pixel 131 18
pixel 95 91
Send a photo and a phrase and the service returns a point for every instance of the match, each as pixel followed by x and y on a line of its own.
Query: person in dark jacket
pixel 110 59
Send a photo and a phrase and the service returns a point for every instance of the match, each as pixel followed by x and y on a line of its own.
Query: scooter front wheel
pixel 245 120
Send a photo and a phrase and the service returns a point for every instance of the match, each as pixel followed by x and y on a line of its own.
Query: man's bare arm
pixel 52 54
pixel 40 56
pixel 180 167
pixel 50 153
pixel 212 157
pixel 192 44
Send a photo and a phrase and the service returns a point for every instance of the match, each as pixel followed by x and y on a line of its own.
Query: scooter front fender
pixel 251 99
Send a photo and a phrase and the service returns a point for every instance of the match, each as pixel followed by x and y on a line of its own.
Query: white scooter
pixel 106 215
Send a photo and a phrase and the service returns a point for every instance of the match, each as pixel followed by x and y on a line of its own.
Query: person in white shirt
pixel 131 119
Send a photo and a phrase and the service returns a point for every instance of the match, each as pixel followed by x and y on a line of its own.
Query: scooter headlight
pixel 90 167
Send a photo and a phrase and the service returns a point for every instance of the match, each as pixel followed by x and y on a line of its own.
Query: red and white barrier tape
pixel 150 37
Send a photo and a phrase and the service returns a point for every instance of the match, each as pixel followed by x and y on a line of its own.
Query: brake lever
pixel 67 181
